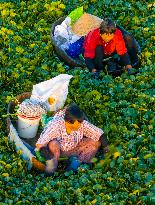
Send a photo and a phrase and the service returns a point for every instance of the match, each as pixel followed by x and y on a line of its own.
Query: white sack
pixel 56 88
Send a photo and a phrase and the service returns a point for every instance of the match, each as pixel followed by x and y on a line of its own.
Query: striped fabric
pixel 56 129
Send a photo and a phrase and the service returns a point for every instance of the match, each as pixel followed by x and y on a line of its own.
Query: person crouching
pixel 70 134
pixel 110 41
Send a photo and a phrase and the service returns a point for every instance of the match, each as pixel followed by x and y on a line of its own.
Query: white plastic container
pixel 28 127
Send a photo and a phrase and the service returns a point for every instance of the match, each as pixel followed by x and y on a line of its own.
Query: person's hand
pixel 95 73
pixel 106 149
pixel 94 70
pixel 38 146
pixel 51 165
pixel 38 155
pixel 127 68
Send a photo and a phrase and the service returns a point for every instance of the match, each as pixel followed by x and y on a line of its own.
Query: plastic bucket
pixel 28 127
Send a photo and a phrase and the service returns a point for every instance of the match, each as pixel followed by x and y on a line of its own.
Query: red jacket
pixel 93 39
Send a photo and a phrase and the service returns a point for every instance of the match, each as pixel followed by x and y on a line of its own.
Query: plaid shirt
pixel 56 129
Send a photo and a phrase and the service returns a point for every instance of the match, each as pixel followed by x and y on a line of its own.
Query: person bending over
pixel 107 40
pixel 70 134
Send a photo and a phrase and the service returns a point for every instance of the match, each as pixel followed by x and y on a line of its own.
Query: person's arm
pixel 59 113
pixel 50 132
pixel 126 62
pixel 104 143
pixel 122 50
pixel 39 146
pixel 89 46
pixel 125 59
pixel 90 64
pixel 96 134
pixel 91 131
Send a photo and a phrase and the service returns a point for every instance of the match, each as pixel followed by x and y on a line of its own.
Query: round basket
pixel 129 40
pixel 61 53
pixel 25 145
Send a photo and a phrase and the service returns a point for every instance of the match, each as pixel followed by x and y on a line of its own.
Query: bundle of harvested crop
pixel 85 24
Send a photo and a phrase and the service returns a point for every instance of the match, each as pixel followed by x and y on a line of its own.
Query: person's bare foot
pixel 51 165
pixel 94 70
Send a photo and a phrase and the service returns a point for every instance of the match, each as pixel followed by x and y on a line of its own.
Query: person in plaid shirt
pixel 70 134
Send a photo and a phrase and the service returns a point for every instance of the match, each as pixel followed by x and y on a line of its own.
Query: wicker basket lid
pixel 85 24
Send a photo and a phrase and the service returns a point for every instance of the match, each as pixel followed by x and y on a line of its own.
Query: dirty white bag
pixel 63 34
pixel 56 88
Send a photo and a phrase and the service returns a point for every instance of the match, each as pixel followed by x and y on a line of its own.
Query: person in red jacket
pixel 107 40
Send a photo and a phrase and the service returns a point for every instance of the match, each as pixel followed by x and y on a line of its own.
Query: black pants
pixel 113 61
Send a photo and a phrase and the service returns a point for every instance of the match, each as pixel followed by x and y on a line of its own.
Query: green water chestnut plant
pixel 123 106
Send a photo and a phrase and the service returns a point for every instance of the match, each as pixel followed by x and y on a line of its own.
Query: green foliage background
pixel 123 107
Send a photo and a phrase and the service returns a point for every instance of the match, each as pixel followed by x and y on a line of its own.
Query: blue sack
pixel 75 49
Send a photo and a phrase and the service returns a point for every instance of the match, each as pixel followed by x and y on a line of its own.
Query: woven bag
pixel 85 24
